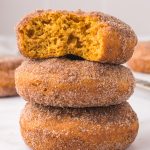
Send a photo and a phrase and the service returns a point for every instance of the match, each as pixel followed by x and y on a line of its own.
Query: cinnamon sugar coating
pixel 8 64
pixel 94 36
pixel 73 83
pixel 140 61
pixel 99 128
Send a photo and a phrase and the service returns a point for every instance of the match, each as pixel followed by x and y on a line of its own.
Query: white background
pixel 134 12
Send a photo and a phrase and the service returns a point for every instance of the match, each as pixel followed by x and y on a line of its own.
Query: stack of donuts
pixel 73 81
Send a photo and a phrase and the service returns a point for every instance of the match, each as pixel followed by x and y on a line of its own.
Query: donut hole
pixel 73 57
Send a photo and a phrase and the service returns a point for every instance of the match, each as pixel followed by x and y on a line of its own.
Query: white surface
pixel 10 108
pixel 142 76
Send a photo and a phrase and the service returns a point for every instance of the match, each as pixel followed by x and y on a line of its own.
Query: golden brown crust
pixel 7 68
pixel 118 39
pixel 140 60
pixel 73 83
pixel 103 128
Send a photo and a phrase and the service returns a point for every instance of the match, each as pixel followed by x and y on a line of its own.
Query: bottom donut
pixel 99 128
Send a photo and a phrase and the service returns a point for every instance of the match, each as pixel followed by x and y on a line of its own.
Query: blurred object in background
pixel 140 61
pixel 8 64
pixel 140 64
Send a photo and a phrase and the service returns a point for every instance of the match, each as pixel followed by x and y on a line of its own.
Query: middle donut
pixel 73 83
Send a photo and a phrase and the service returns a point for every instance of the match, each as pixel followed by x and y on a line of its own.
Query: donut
pixel 99 128
pixel 140 61
pixel 66 82
pixel 93 36
pixel 8 64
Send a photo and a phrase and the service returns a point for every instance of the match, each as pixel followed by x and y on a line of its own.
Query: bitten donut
pixel 140 61
pixel 73 83
pixel 99 128
pixel 8 64
pixel 93 36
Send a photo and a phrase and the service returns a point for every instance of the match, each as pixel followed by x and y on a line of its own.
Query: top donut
pixel 93 36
